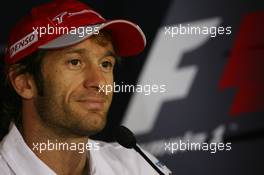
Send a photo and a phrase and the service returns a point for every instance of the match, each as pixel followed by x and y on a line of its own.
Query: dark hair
pixel 11 102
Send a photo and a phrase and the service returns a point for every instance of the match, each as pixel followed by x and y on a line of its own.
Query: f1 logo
pixel 162 66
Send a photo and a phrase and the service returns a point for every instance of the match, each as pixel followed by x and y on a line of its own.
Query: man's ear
pixel 23 84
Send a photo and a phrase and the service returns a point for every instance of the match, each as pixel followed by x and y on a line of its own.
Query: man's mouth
pixel 93 103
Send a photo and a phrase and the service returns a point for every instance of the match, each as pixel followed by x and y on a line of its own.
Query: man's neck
pixel 61 154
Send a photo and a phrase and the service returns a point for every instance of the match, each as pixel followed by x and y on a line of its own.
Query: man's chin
pixel 92 126
pixel 95 129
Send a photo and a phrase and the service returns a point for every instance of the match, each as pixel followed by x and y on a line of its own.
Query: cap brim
pixel 129 38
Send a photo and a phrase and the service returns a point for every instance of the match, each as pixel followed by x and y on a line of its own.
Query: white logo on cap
pixel 59 18
pixel 23 43
pixel 78 13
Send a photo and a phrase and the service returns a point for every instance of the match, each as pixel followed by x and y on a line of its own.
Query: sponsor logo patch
pixel 23 43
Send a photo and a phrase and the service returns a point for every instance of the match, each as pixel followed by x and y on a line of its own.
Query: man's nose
pixel 94 78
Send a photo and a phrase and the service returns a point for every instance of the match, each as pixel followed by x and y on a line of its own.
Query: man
pixel 57 60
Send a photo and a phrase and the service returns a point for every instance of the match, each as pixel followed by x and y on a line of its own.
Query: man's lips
pixel 93 103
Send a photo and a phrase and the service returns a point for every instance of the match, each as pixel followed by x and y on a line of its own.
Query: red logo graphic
pixel 245 70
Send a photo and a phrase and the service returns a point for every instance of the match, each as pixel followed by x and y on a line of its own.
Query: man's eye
pixel 107 65
pixel 75 63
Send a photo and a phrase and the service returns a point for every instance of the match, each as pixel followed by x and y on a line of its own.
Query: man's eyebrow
pixel 73 50
pixel 112 54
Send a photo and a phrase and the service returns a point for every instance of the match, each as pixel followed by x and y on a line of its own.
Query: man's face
pixel 72 102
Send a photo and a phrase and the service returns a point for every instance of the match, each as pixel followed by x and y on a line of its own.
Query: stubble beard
pixel 64 120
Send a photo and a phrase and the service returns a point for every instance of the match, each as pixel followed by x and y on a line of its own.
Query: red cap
pixel 63 23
